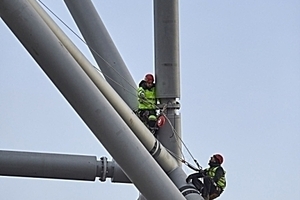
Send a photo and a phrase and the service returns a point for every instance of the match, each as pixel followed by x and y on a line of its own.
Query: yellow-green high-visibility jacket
pixel 211 172
pixel 149 100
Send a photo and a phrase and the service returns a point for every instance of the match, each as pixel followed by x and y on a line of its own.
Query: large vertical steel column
pixel 166 35
pixel 87 101
pixel 167 83
pixel 103 49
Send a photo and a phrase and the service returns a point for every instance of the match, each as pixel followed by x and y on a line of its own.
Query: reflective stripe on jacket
pixel 149 102
pixel 211 172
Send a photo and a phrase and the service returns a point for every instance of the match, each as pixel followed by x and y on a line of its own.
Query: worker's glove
pixel 202 172
pixel 142 95
pixel 188 179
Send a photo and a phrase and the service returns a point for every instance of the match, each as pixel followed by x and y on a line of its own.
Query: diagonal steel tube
pixel 90 25
pixel 104 50
pixel 167 162
pixel 86 99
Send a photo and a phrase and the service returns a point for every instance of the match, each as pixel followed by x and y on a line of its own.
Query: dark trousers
pixel 144 114
pixel 208 188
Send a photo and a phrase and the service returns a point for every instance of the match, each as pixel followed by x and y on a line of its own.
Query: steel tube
pixel 86 99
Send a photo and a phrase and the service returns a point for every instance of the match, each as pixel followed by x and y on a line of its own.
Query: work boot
pixel 151 124
pixel 205 194
pixel 206 197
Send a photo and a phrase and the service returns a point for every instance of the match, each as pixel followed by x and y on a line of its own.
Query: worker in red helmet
pixel 213 178
pixel 147 102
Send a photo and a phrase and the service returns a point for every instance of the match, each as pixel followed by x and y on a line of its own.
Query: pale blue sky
pixel 240 96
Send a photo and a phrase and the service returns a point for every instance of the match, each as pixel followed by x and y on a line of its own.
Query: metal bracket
pixel 169 105
pixel 103 169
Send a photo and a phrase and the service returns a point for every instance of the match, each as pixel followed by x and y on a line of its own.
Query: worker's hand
pixel 202 172
pixel 142 95
pixel 188 179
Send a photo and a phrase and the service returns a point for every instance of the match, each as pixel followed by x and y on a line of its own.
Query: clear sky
pixel 240 96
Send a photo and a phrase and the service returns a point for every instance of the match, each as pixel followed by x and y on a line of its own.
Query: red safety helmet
pixel 219 158
pixel 149 78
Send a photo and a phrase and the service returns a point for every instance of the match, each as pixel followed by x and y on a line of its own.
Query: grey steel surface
pixel 86 100
pixel 166 40
pixel 167 84
pixel 167 162
pixel 86 66
pixel 125 112
pixel 46 165
pixel 103 49
pixel 176 174
pixel 59 166
pixel 170 134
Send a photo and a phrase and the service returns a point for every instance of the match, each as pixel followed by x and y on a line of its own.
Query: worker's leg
pixel 143 115
pixel 207 187
pixel 198 184
pixel 212 190
pixel 214 193
pixel 152 118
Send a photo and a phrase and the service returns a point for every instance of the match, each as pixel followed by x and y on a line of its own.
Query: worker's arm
pixel 141 92
pixel 193 176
